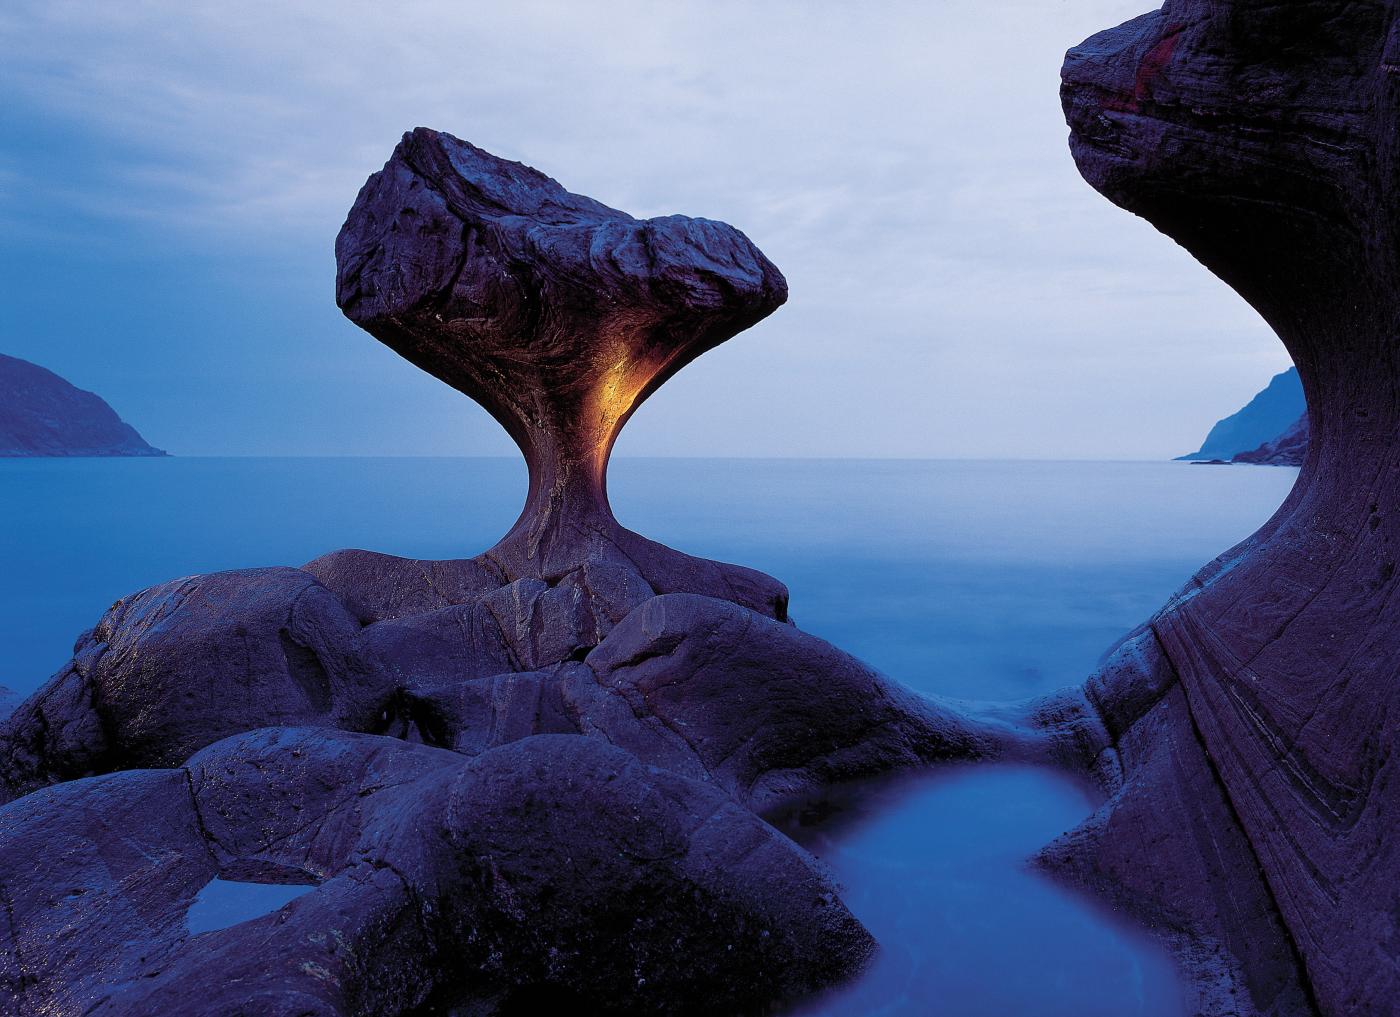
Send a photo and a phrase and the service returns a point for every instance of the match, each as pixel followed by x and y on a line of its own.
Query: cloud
pixel 904 163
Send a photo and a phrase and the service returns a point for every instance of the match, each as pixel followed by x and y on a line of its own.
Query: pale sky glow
pixel 172 176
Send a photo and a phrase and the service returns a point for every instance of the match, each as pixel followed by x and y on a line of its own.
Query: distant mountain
pixel 43 415
pixel 1267 417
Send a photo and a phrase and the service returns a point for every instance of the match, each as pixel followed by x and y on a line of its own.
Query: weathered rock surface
pixel 176 667
pixel 1260 136
pixel 700 686
pixel 552 873
pixel 43 415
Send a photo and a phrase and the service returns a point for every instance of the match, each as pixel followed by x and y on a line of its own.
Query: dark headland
pixel 41 414
pixel 1271 429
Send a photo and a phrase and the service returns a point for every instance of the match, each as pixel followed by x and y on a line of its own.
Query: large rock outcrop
pixel 43 415
pixel 551 875
pixel 174 668
pixel 522 782
pixel 1261 137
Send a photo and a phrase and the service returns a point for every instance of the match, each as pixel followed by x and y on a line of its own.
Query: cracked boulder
pixel 180 665
pixel 712 691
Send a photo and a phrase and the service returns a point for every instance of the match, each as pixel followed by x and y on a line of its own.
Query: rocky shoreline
pixel 527 778
pixel 530 780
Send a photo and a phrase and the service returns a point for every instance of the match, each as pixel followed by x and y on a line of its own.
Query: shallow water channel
pixel 935 866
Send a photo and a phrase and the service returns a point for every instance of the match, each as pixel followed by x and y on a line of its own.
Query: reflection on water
pixel 935 866
pixel 980 580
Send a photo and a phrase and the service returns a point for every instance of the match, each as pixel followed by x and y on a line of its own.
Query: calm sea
pixel 981 580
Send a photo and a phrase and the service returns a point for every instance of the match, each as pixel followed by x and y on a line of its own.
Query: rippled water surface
pixel 983 580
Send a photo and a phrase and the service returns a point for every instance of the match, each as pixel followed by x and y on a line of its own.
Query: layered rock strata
pixel 1252 723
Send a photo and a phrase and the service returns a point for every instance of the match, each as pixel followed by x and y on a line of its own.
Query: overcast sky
pixel 173 174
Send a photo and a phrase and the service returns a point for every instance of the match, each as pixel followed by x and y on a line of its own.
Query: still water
pixel 979 580
pixel 222 903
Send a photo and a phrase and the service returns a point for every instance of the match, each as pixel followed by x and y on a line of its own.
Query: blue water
pixel 984 580
pixel 224 902
pixel 934 865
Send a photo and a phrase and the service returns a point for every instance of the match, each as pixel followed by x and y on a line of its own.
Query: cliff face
pixel 43 415
pixel 1263 419
pixel 1262 138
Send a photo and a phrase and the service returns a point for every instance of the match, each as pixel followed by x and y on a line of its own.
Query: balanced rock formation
pixel 1253 723
pixel 560 316
pixel 43 415
pixel 522 782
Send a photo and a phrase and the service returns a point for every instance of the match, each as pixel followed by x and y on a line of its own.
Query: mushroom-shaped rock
pixel 559 315
pixel 1262 138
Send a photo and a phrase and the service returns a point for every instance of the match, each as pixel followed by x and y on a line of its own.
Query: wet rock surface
pixel 1261 138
